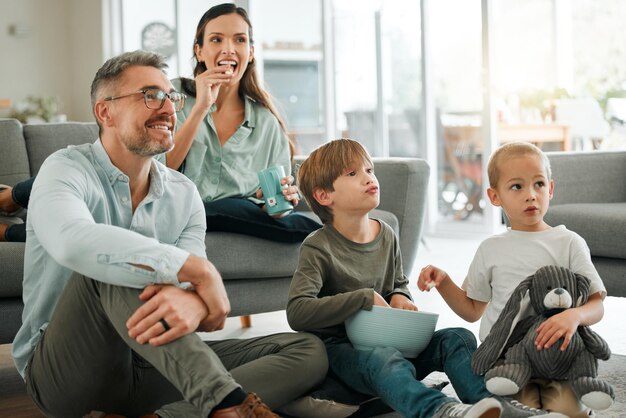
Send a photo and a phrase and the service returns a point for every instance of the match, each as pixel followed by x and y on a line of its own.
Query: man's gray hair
pixel 111 70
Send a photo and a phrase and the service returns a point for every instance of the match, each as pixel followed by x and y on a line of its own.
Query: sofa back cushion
pixel 225 250
pixel 588 177
pixel 44 139
pixel 602 225
pixel 14 166
pixel 12 262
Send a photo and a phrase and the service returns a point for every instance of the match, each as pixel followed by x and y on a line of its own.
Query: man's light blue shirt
pixel 80 219
pixel 230 170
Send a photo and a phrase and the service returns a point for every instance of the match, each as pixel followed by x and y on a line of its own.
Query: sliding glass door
pixel 444 80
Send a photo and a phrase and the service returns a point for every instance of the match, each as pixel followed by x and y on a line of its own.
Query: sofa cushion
pixel 238 256
pixel 44 139
pixel 386 216
pixel 14 165
pixel 12 266
pixel 613 273
pixel 11 313
pixel 602 225
pixel 588 177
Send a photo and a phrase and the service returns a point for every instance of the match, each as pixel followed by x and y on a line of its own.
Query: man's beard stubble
pixel 146 146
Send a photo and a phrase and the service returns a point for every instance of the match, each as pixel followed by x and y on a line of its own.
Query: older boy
pixel 520 182
pixel 353 263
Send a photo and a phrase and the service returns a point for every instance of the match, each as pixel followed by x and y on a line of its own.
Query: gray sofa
pixel 590 199
pixel 256 272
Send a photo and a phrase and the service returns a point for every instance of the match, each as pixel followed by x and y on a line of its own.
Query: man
pixel 117 280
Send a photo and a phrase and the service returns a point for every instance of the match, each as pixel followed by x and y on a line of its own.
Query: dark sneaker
pixel 251 407
pixel 5 223
pixel 514 409
pixel 486 408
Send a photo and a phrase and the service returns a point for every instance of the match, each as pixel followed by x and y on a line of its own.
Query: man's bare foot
pixel 3 230
pixel 7 204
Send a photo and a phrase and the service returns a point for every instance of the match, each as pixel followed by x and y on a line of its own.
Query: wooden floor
pixel 14 402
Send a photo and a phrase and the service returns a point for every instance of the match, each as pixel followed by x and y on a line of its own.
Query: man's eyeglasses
pixel 155 98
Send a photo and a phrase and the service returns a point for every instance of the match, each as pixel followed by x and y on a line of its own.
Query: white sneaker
pixel 10 220
pixel 486 408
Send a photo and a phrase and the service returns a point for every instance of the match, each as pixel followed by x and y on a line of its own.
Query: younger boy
pixel 520 182
pixel 353 263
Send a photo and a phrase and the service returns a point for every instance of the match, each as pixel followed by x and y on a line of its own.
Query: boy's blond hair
pixel 323 166
pixel 512 150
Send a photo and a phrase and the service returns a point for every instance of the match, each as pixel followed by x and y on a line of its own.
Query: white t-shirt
pixel 505 260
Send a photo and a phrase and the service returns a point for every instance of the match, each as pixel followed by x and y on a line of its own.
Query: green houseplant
pixel 35 107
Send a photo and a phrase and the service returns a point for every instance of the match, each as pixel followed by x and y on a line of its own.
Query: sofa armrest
pixel 403 184
pixel 14 165
pixel 588 177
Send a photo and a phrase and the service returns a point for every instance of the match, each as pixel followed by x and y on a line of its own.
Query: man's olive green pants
pixel 86 361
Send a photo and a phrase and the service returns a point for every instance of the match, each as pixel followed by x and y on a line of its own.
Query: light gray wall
pixel 58 54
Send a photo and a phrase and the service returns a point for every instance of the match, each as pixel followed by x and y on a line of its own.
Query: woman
pixel 229 130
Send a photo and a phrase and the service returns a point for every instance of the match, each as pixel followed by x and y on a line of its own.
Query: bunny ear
pixel 490 350
pixel 584 285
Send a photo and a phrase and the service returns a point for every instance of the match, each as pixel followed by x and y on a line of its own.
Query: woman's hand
pixel 208 85
pixel 290 192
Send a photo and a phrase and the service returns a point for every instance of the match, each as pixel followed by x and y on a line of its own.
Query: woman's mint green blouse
pixel 231 170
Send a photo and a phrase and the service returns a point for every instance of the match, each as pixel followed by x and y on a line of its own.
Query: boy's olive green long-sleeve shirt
pixel 337 277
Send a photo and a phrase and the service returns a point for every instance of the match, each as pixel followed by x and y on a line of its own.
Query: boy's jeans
pixel 385 373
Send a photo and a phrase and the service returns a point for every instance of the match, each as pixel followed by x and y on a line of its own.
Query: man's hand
pixel 181 310
pixel 208 284
pixel 562 325
pixel 399 301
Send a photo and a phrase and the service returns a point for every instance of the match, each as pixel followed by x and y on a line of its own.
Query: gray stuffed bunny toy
pixel 550 290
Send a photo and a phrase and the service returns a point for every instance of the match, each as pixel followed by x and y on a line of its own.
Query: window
pixel 354 68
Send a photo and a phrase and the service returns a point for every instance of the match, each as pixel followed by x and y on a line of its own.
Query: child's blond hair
pixel 323 166
pixel 511 150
